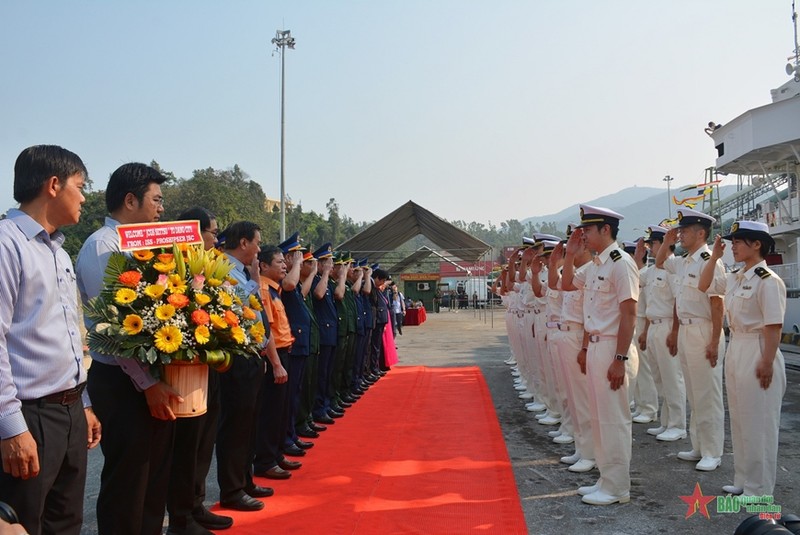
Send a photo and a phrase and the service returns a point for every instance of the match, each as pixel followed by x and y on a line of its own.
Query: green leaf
pixel 152 355
pixel 117 265
pixel 102 343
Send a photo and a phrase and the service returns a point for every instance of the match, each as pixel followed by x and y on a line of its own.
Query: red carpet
pixel 421 452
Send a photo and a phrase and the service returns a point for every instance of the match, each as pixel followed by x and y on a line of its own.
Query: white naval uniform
pixel 611 278
pixel 703 383
pixel 553 317
pixel 569 341
pixel 754 298
pixel 543 352
pixel 659 295
pixel 532 371
pixel 645 394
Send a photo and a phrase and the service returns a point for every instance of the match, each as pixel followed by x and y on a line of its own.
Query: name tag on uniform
pixel 692 275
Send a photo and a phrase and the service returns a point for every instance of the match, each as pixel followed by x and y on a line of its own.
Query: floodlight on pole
pixel 669 179
pixel 283 39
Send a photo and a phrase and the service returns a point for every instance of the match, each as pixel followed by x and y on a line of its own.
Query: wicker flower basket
pixel 190 379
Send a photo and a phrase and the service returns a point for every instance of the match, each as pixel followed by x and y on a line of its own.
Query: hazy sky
pixel 480 111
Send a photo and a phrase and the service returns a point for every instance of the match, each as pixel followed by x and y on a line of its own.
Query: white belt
pixel 746 334
pixel 693 321
pixel 570 326
pixel 658 320
pixel 601 337
pixel 552 324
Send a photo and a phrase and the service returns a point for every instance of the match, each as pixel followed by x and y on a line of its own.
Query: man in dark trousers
pixel 380 307
pixel 327 320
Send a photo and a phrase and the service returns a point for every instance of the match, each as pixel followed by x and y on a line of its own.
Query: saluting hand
pixel 575 242
pixel 718 249
pixel 670 238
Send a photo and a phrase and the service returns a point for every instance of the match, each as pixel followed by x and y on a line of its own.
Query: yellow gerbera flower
pixel 238 334
pixel 165 312
pixel 254 303
pixel 257 331
pixel 143 256
pixel 202 299
pixel 132 324
pixel 168 339
pixel 202 335
pixel 231 281
pixel 218 322
pixel 154 291
pixel 248 314
pixel 125 296
pixel 164 268
pixel 211 281
pixel 175 284
pixel 224 299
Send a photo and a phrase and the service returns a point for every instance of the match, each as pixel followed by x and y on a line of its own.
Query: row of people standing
pixel 572 323
pixel 52 411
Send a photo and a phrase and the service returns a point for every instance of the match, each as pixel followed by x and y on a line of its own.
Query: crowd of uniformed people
pixel 328 321
pixel 604 335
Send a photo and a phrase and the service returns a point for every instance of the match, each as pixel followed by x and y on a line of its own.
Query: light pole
pixel 668 179
pixel 282 40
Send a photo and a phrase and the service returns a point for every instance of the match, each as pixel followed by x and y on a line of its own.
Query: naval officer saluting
pixel 611 290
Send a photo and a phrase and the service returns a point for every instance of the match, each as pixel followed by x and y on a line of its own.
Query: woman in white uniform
pixel 755 377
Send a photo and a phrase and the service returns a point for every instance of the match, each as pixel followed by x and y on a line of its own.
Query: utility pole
pixel 283 39
pixel 669 179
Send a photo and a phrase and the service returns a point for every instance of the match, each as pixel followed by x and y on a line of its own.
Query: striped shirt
pixel 41 351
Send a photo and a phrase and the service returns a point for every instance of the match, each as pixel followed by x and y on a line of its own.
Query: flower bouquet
pixel 174 307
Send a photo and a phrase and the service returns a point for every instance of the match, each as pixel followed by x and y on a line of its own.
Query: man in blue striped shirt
pixel 44 410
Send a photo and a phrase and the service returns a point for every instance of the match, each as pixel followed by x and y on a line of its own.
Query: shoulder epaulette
pixel 615 255
pixel 763 273
pixel 705 255
pixel 685 254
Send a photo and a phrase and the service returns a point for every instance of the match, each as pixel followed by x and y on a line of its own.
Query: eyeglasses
pixel 214 232
pixel 159 201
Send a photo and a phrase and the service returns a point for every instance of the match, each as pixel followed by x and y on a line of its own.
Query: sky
pixel 478 111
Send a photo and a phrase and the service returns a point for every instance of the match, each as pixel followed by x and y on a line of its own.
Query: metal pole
pixel 668 179
pixel 282 40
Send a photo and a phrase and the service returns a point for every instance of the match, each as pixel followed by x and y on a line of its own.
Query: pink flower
pixel 197 282
pixel 162 280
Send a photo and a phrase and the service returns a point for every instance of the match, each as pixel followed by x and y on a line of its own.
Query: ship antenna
pixel 796 46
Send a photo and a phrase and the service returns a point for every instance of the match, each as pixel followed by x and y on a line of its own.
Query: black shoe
pixel 286 464
pixel 314 426
pixel 323 420
pixel 260 492
pixel 276 472
pixel 344 404
pixel 192 528
pixel 302 444
pixel 210 520
pixel 294 451
pixel 349 398
pixel 244 503
pixel 307 432
pixel 335 414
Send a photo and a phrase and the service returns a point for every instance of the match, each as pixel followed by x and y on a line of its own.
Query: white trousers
pixel 645 395
pixel 568 345
pixel 560 390
pixel 668 370
pixel 546 364
pixel 755 414
pixel 611 420
pixel 703 388
pixel 532 372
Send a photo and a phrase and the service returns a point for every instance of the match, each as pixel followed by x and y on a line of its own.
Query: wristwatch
pixel 621 357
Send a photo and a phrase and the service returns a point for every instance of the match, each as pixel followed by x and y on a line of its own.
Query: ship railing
pixel 790 273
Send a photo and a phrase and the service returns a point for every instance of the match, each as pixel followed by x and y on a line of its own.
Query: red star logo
pixel 696 501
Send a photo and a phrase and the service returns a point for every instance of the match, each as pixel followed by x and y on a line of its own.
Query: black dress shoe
pixel 343 403
pixel 323 420
pixel 210 520
pixel 191 528
pixel 286 464
pixel 244 503
pixel 302 444
pixel 349 398
pixel 276 472
pixel 260 492
pixel 317 427
pixel 335 414
pixel 294 451
pixel 307 432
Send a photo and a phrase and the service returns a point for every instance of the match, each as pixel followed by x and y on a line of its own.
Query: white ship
pixel 762 147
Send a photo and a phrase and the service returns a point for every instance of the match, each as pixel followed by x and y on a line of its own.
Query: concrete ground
pixel 548 491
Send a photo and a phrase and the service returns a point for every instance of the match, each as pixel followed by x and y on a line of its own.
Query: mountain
pixel 641 206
